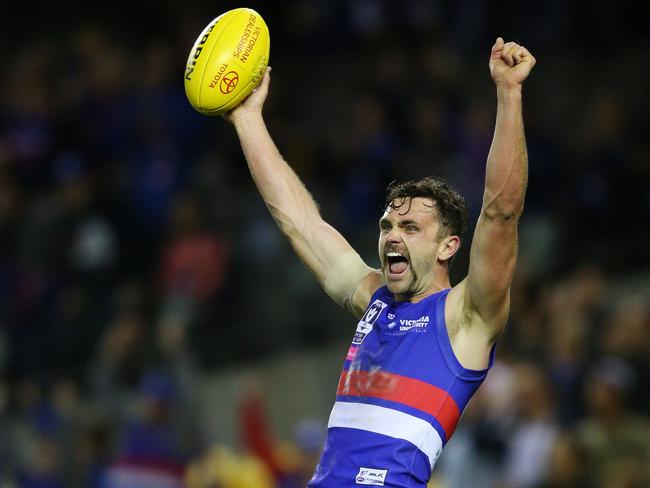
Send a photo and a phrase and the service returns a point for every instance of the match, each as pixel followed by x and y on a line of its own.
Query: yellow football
pixel 227 61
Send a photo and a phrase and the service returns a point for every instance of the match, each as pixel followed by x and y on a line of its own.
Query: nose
pixel 394 236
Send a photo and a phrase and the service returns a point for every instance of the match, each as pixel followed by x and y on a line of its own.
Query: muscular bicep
pixel 493 258
pixel 336 265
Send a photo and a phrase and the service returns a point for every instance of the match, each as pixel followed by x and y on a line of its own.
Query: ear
pixel 448 247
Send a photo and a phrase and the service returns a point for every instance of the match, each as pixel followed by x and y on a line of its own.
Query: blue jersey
pixel 399 398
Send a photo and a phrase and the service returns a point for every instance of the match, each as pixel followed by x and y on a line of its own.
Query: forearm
pixel 288 200
pixel 507 162
pixel 324 251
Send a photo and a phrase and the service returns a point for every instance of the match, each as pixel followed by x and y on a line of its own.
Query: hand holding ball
pixel 227 61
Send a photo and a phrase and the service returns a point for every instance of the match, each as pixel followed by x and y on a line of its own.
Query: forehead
pixel 417 209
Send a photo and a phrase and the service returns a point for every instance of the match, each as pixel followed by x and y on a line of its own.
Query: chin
pixel 397 287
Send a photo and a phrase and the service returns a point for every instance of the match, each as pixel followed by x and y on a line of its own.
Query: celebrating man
pixel 421 348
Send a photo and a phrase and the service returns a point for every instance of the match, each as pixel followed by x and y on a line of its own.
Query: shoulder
pixel 364 291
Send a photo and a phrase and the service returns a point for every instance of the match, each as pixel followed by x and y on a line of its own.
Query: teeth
pixel 394 254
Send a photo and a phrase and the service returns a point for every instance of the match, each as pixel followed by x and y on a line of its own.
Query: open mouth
pixel 397 263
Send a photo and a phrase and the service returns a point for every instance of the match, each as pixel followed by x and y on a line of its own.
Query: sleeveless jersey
pixel 399 398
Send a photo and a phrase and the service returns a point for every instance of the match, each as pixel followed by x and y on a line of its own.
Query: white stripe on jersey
pixel 392 423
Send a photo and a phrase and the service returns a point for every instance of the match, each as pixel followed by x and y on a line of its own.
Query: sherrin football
pixel 227 61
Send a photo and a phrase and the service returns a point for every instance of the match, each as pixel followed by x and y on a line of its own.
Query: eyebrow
pixel 401 223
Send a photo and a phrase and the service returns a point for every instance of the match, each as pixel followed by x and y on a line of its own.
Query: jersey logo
pixel 370 476
pixel 420 323
pixel 365 324
pixel 408 325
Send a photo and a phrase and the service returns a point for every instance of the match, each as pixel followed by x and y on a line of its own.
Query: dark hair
pixel 451 206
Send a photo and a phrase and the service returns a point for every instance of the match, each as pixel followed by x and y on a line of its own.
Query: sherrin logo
pixel 371 476
pixel 197 51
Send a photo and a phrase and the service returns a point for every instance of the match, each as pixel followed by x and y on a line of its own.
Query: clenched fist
pixel 510 64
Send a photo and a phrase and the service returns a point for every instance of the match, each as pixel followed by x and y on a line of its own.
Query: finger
pixel 527 57
pixel 267 75
pixel 498 46
pixel 506 54
pixel 266 79
pixel 513 50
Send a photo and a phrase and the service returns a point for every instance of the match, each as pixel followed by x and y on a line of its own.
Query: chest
pixel 393 334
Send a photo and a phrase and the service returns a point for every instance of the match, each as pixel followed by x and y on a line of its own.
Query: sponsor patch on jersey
pixel 371 476
pixel 420 323
pixel 368 320
pixel 408 325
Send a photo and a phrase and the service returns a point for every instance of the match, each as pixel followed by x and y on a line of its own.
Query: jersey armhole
pixel 442 338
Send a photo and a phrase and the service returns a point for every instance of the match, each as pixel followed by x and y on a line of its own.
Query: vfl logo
pixel 229 82
pixel 365 324
pixel 373 312
pixel 370 476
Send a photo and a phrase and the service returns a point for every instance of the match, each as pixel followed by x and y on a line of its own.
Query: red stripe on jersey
pixel 401 389
pixel 352 353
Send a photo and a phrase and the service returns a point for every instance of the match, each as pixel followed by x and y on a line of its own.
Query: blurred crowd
pixel 136 255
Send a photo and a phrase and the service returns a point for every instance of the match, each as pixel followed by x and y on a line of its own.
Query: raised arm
pixel 483 298
pixel 337 267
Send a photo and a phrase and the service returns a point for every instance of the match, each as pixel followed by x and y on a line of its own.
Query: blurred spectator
pixel 291 463
pixel 6 456
pixel 122 354
pixel 151 452
pixel 529 447
pixel 307 443
pixel 567 464
pixel 612 434
pixel 627 336
pixel 44 469
pixel 194 259
pixel 225 468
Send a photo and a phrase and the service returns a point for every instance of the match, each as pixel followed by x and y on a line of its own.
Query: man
pixel 421 348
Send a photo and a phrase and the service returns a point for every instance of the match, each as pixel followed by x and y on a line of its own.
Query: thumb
pixel 264 84
pixel 498 47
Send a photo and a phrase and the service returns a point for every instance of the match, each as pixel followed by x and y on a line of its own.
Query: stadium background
pixel 153 318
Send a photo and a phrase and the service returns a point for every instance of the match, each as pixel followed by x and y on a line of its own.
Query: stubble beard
pixel 405 287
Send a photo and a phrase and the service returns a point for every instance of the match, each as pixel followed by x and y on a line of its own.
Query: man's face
pixel 408 245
